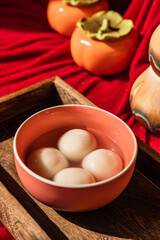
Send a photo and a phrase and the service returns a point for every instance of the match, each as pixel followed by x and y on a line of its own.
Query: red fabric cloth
pixel 30 51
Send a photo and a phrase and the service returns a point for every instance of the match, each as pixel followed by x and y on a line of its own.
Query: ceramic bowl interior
pixel 44 129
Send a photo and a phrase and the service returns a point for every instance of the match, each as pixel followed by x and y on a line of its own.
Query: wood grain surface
pixel 135 214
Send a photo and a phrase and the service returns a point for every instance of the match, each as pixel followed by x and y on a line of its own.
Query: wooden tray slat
pixel 39 96
pixel 19 217
pixel 128 217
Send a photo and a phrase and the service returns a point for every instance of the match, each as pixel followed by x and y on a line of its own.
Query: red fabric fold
pixel 30 52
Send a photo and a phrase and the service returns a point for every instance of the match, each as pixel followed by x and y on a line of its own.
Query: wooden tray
pixel 135 214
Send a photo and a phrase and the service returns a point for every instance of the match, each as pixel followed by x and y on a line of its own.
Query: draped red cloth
pixel 30 51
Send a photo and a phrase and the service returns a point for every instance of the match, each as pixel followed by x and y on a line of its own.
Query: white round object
pixel 103 164
pixel 73 176
pixel 46 162
pixel 75 144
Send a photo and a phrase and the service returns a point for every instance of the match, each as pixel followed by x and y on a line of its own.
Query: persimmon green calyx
pixel 106 25
pixel 80 2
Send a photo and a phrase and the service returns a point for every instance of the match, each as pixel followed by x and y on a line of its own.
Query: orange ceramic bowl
pixel 109 131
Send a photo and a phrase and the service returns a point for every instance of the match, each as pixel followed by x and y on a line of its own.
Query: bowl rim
pixel 88 185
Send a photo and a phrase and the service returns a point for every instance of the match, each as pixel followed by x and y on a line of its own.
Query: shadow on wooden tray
pixel 132 215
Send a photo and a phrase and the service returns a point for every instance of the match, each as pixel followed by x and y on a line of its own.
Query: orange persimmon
pixel 63 17
pixel 107 57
